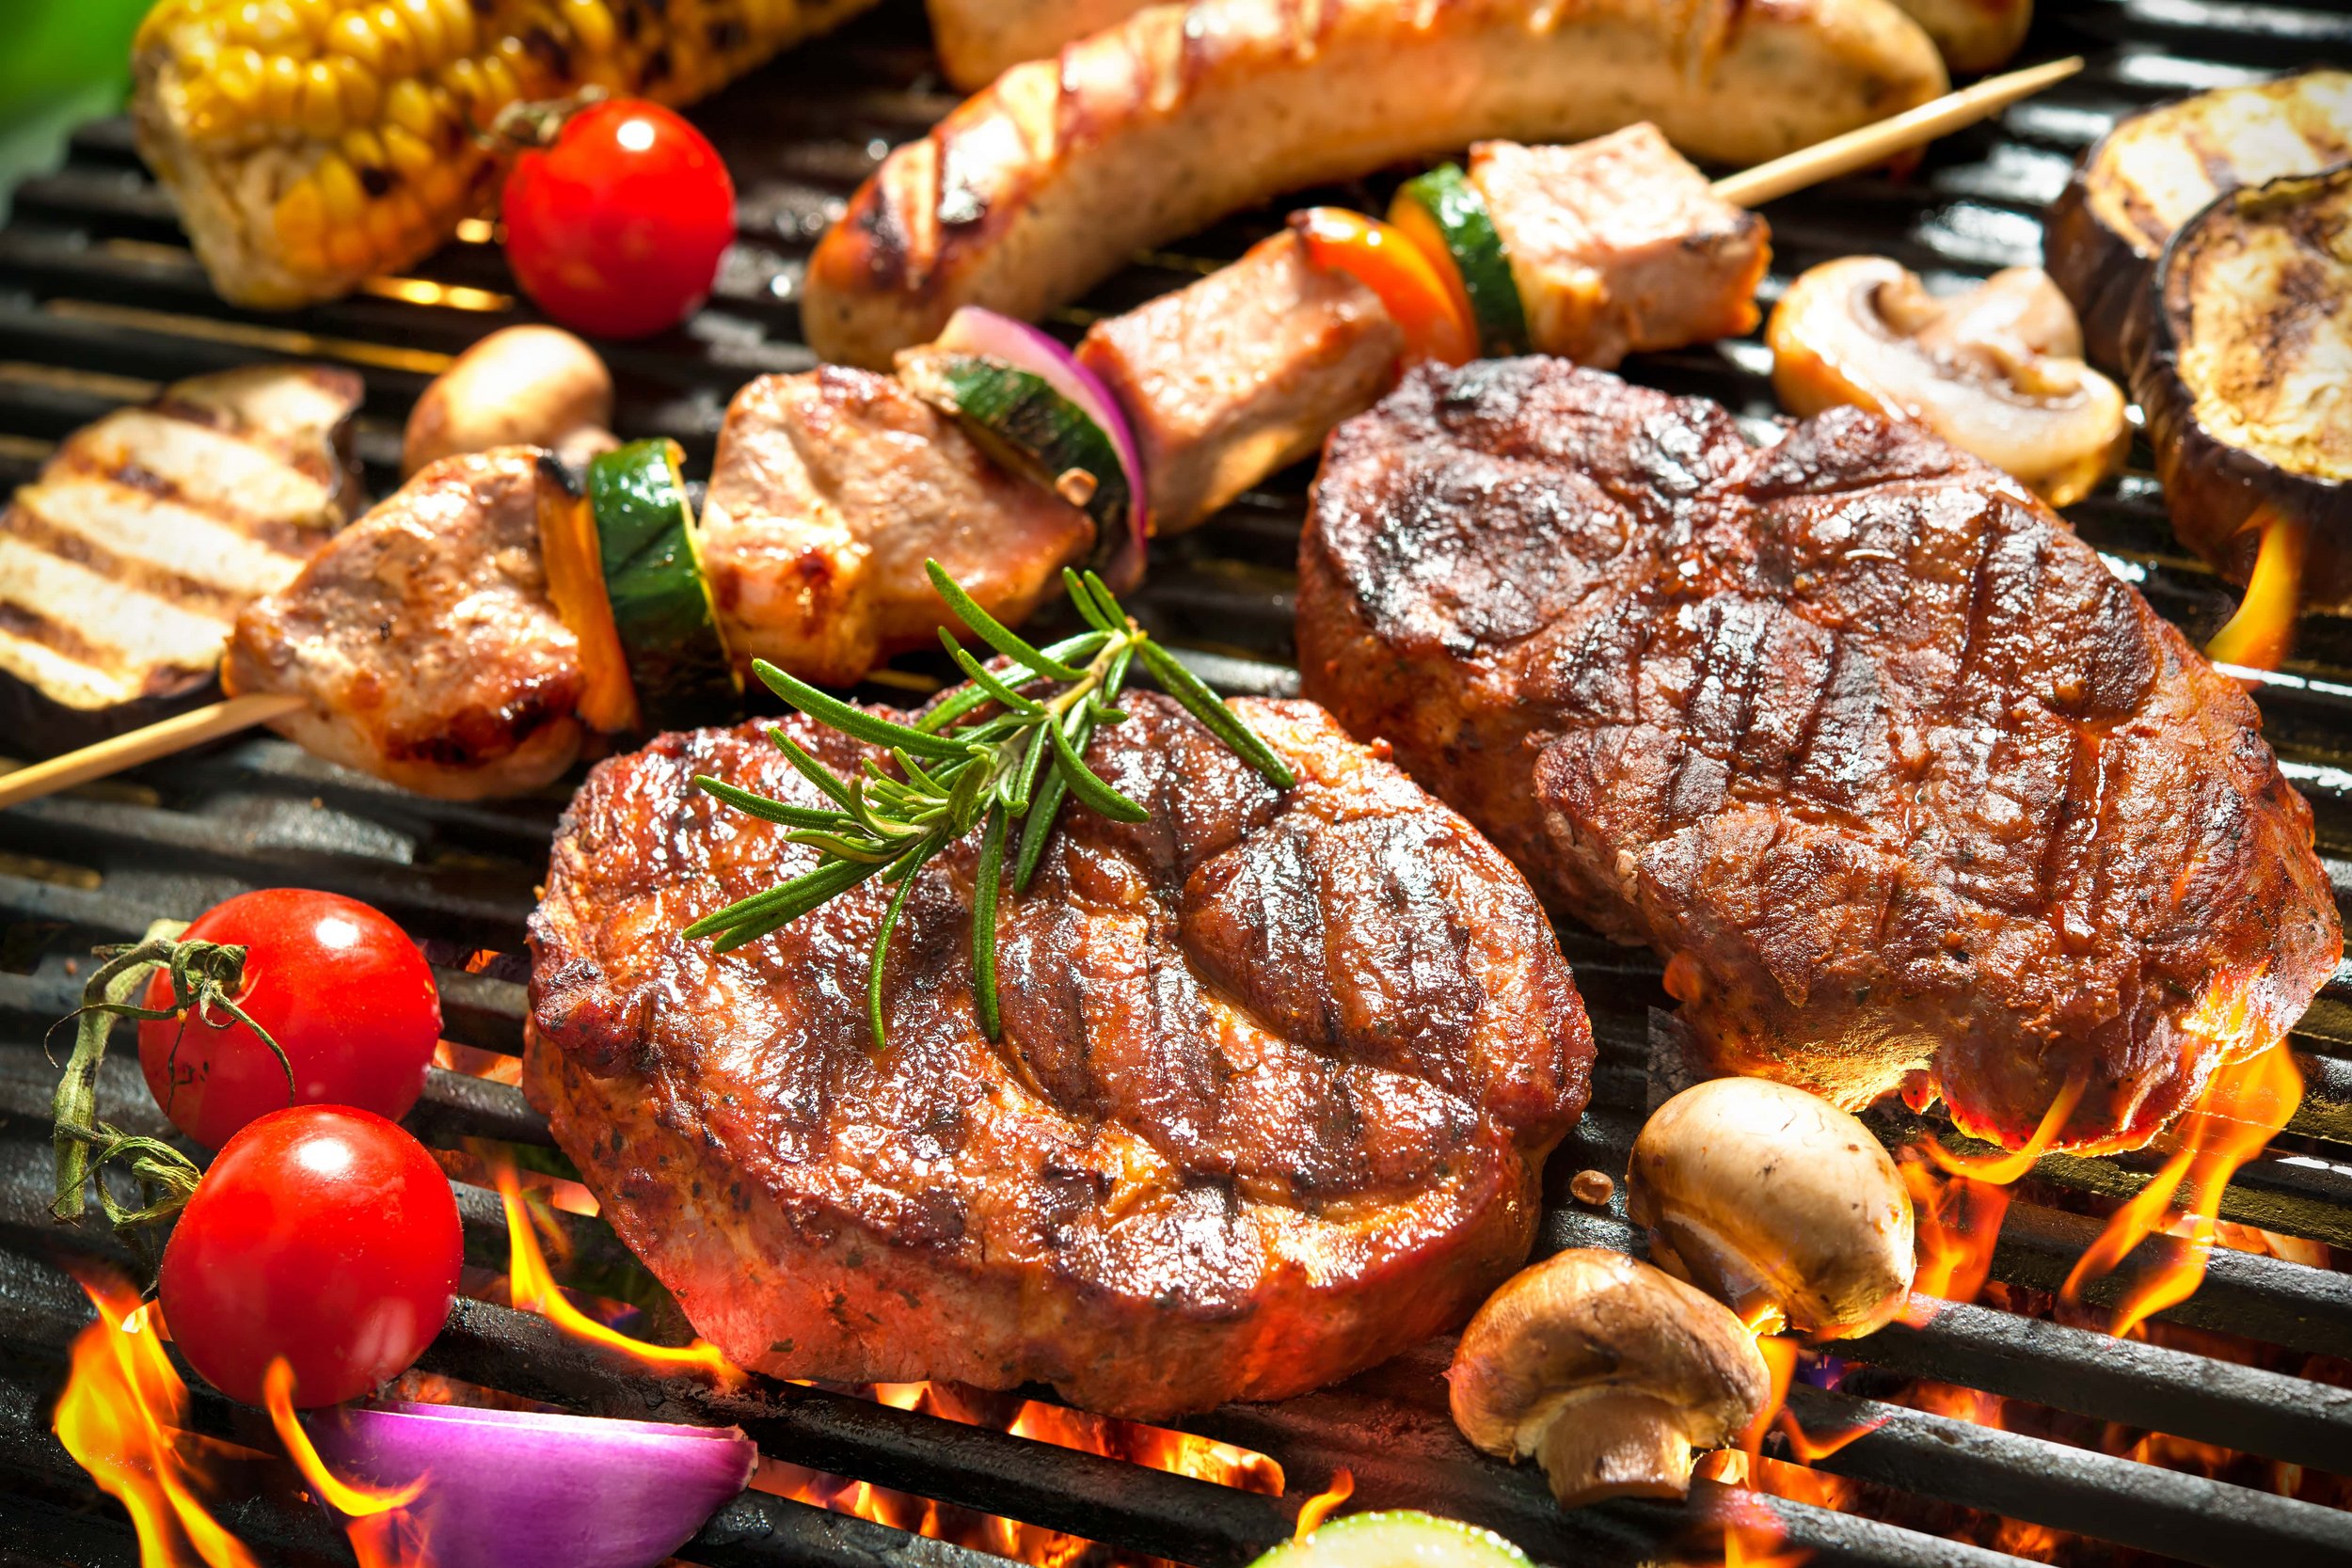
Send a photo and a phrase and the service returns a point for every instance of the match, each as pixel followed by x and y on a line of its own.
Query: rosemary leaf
pixel 761 806
pixel 1025 781
pixel 906 872
pixel 805 764
pixel 850 720
pixel 1083 599
pixel 978 674
pixel 994 632
pixel 986 879
pixel 1037 827
pixel 1098 796
pixel 1207 707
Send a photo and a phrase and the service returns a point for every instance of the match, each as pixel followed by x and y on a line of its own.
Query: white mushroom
pixel 1609 1373
pixel 1777 1203
pixel 522 386
pixel 1996 371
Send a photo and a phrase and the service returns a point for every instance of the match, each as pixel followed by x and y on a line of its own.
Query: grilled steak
pixel 1850 728
pixel 123 566
pixel 1278 1073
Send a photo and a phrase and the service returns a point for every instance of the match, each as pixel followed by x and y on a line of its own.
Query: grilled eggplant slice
pixel 124 564
pixel 2241 373
pixel 2156 169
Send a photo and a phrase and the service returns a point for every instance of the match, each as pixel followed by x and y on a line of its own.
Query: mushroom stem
pixel 1615 1443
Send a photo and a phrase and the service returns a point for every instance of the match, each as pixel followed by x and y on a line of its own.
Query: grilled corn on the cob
pixel 312 143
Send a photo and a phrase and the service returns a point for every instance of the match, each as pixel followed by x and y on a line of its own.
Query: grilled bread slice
pixel 123 565
pixel 1036 189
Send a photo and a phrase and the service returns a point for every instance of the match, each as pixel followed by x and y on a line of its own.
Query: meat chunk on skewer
pixel 424 638
pixel 1245 372
pixel 1854 731
pixel 1278 1073
pixel 1620 246
pixel 830 490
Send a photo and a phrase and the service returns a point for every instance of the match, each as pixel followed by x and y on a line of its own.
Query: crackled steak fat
pixel 1277 1074
pixel 1851 729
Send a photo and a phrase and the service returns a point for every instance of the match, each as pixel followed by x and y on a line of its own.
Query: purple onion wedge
pixel 990 336
pixel 518 1489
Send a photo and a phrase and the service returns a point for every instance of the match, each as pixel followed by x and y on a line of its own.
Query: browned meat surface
pixel 1227 379
pixel 1855 731
pixel 829 489
pixel 1620 246
pixel 1277 1074
pixel 424 638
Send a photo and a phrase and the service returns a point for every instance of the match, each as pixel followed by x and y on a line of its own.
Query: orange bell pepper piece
pixel 1433 313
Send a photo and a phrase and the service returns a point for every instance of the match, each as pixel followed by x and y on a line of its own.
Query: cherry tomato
pixel 321 1234
pixel 343 992
pixel 617 228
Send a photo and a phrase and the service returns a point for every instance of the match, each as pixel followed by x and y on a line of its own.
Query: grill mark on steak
pixel 1851 727
pixel 1277 1074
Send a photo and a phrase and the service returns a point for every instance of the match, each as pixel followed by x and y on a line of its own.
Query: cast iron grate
pixel 100 302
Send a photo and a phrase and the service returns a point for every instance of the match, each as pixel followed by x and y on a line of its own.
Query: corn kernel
pixel 272 25
pixel 316 18
pixel 410 106
pixel 499 88
pixel 409 154
pixel 238 79
pixel 354 36
pixel 463 80
pixel 400 48
pixel 340 195
pixel 347 247
pixel 282 90
pixel 441 186
pixel 357 82
pixel 591 26
pixel 361 149
pixel 457 26
pixel 424 27
pixel 322 111
pixel 300 217
pixel 383 226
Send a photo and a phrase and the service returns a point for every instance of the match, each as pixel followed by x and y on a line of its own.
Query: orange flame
pixel 2003 1169
pixel 2262 631
pixel 1957 1223
pixel 1324 1503
pixel 2240 1110
pixel 119 1419
pixel 382 1535
pixel 531 1287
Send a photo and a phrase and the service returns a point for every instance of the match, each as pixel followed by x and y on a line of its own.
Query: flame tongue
pixel 119 1419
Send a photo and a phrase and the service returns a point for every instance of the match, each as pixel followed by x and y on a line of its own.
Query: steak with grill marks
pixel 1851 729
pixel 1278 1071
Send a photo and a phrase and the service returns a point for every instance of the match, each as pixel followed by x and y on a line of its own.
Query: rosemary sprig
pixel 991 753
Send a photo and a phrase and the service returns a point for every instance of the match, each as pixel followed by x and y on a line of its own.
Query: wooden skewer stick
pixel 1875 144
pixel 159 739
pixel 1872 144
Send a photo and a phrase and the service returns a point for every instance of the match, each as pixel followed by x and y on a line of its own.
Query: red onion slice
pixel 518 1489
pixel 978 331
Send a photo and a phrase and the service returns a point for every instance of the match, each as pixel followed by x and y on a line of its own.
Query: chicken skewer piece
pixel 737 571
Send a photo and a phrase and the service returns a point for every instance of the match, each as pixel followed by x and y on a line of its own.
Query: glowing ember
pixel 381 1533
pixel 119 1419
pixel 2241 1109
pixel 531 1287
pixel 2259 634
pixel 1324 1503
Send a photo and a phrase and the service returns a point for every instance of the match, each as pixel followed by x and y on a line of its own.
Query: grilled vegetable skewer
pixel 831 487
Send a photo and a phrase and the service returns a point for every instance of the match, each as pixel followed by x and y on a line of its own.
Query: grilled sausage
pixel 977 39
pixel 1031 192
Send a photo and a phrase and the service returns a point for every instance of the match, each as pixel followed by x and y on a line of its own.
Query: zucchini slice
pixel 1442 212
pixel 1399 1539
pixel 1019 419
pixel 654 582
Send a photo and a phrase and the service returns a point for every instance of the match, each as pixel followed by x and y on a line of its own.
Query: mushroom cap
pixel 1763 1194
pixel 1587 1319
pixel 1996 372
pixel 522 386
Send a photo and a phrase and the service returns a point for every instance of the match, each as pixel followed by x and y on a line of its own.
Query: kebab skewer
pixel 466 637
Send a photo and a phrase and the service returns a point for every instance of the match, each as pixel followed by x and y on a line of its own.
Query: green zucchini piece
pixel 653 575
pixel 1399 1539
pixel 1019 419
pixel 1449 205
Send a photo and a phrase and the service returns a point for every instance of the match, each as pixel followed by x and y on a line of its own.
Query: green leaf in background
pixel 61 62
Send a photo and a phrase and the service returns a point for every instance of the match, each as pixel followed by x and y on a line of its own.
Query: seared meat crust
pixel 1278 1075
pixel 1851 729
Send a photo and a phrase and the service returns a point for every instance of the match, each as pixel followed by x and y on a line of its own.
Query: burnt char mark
pixel 475 738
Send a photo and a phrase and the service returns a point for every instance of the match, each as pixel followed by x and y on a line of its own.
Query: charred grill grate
pixel 99 301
